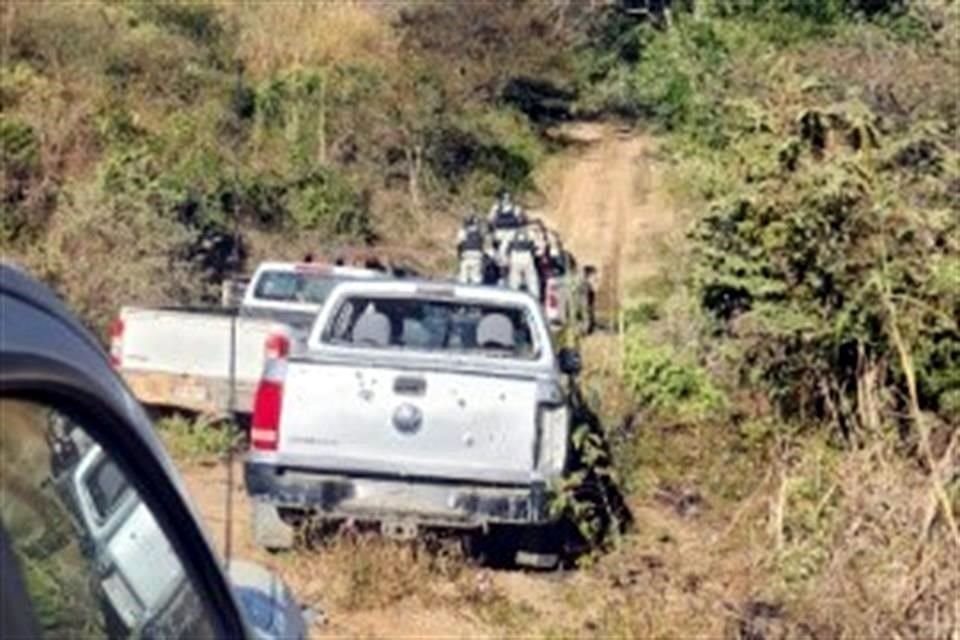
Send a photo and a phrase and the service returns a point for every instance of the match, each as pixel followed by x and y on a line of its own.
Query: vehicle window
pixel 294 286
pixel 106 486
pixel 94 560
pixel 428 324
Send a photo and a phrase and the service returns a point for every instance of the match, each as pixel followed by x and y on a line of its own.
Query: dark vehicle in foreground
pixel 97 537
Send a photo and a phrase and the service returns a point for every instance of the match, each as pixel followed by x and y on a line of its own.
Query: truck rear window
pixel 294 286
pixel 432 325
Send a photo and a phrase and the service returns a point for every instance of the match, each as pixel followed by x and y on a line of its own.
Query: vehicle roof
pixel 437 288
pixel 319 267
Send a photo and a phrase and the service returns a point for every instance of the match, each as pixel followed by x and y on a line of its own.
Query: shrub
pixel 667 382
pixel 20 150
pixel 198 439
pixel 796 266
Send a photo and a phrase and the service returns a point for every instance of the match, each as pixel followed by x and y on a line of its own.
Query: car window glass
pixel 294 286
pixel 432 325
pixel 94 559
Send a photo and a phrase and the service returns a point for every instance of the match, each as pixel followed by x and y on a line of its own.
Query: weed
pixel 198 439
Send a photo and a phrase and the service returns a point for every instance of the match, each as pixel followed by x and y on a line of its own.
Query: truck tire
pixel 509 547
pixel 270 532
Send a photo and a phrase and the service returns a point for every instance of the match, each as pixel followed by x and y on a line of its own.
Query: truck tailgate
pixel 408 422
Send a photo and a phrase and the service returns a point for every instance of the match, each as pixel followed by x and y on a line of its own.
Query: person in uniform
pixel 470 249
pixel 521 263
pixel 505 218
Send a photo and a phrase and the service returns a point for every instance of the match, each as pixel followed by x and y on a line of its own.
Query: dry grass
pixel 788 538
pixel 276 36
pixel 882 575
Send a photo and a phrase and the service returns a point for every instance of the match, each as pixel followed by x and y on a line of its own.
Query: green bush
pixel 323 200
pixel 199 21
pixel 667 382
pixel 20 150
pixel 798 267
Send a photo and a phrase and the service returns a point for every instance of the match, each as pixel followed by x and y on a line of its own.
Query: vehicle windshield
pixel 427 324
pixel 294 286
pixel 107 486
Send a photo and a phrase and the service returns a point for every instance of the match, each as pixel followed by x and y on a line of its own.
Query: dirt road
pixel 605 197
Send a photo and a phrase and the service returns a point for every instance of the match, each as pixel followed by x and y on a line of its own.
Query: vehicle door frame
pixel 51 360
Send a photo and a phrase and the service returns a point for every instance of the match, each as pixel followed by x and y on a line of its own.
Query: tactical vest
pixel 473 241
pixel 506 219
pixel 518 244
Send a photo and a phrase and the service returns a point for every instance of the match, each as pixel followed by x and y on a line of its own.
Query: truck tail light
pixel 551 447
pixel 116 342
pixel 276 346
pixel 265 428
pixel 268 401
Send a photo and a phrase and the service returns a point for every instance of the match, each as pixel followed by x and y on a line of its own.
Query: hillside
pixel 771 191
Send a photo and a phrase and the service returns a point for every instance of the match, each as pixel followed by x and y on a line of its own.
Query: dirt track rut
pixel 605 197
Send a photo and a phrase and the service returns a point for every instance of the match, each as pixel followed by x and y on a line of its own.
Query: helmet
pixel 470 220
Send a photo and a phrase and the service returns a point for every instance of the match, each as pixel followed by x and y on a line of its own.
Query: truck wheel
pixel 508 547
pixel 269 530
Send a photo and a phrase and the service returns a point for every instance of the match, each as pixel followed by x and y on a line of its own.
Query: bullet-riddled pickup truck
pixel 414 405
pixel 209 360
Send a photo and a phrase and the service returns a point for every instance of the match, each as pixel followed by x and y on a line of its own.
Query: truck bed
pixel 187 358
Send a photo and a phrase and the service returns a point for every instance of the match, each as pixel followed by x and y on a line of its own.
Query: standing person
pixel 470 249
pixel 521 261
pixel 505 218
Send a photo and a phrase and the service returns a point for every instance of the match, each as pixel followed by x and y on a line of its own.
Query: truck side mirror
pixel 569 362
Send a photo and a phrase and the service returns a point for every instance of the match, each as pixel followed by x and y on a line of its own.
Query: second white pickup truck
pixel 209 360
pixel 413 405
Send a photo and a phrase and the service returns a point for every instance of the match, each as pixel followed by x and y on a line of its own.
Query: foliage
pixel 794 266
pixel 19 149
pixel 664 381
pixel 823 191
pixel 234 125
pixel 198 439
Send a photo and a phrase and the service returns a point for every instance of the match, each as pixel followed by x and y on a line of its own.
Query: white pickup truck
pixel 209 360
pixel 413 405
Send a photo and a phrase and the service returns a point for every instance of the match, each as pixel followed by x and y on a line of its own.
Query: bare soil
pixel 605 197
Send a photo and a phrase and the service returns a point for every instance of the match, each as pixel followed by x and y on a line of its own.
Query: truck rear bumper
pixel 424 501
